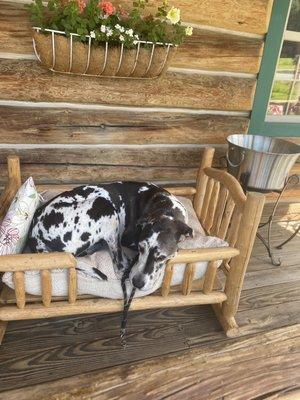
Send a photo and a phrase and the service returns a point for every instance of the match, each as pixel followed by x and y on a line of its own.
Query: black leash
pixel 124 320
pixel 127 303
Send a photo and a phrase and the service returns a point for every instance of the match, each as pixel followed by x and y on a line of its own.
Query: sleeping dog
pixel 137 215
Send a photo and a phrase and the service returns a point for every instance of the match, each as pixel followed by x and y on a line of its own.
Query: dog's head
pixel 157 243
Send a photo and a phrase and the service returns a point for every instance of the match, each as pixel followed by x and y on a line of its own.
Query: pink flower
pixel 122 11
pixel 8 238
pixel 275 109
pixel 107 7
pixel 81 5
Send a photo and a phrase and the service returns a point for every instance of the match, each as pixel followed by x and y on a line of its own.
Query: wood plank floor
pixel 174 354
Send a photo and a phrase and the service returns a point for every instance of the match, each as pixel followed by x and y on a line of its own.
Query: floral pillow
pixel 15 225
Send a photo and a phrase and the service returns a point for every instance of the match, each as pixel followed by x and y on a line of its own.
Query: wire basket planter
pixel 65 54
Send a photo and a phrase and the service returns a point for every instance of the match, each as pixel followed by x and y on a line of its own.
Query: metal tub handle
pixel 231 163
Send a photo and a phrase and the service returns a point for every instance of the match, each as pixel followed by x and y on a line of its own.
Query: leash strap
pixel 127 303
pixel 124 320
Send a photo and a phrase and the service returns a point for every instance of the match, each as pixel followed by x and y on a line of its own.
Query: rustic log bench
pixel 223 210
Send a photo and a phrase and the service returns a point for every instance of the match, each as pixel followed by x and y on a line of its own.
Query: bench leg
pixel 3 326
pixel 228 324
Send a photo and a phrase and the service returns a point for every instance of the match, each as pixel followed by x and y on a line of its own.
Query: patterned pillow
pixel 15 225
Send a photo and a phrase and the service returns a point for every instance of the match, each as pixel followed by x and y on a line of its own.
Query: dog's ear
pixel 184 230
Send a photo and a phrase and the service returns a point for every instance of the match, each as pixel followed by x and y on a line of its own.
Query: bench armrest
pixel 210 254
pixel 40 261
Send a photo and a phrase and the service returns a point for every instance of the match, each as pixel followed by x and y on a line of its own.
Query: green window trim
pixel 258 124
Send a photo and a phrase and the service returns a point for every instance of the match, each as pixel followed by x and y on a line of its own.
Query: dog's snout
pixel 138 281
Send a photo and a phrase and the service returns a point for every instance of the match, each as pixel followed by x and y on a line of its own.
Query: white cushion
pixel 15 225
pixel 90 283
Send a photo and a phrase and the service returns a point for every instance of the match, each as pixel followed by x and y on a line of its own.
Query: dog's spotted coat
pixel 140 216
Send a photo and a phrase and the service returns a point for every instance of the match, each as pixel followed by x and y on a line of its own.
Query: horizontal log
pixel 244 16
pixel 88 174
pixel 32 311
pixel 115 126
pixel 25 80
pixel 219 52
pixel 144 156
pixel 14 29
pixel 178 191
pixel 204 50
pixel 25 262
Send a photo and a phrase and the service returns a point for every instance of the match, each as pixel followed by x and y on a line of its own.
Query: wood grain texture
pixel 203 50
pixel 3 327
pixel 116 126
pixel 89 327
pixel 238 265
pixel 258 374
pixel 152 333
pixel 202 180
pixel 14 28
pixel 25 80
pixel 244 15
pixel 40 261
pixel 291 195
pixel 270 295
pixel 79 174
pixel 19 283
pixel 219 52
pixel 203 254
pixel 47 350
pixel 286 211
pixel 100 305
pixel 292 139
pixel 156 156
pixel 46 287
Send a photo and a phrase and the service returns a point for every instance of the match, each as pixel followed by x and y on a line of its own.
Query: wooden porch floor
pixel 171 354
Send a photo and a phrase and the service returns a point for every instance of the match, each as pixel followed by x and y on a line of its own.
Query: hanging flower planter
pixel 99 39
pixel 60 53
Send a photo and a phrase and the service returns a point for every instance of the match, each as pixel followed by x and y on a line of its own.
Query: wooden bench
pixel 223 210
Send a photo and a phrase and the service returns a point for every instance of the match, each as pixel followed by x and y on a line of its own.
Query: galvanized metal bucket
pixel 261 163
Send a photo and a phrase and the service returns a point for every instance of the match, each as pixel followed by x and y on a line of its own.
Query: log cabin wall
pixel 73 129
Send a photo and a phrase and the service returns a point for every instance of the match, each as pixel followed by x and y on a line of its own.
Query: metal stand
pixel 267 242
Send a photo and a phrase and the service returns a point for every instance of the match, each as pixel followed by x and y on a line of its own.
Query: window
pixel 276 108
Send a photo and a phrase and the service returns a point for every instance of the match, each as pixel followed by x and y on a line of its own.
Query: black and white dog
pixel 137 215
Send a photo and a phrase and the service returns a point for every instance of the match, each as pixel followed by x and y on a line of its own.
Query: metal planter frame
pixel 106 45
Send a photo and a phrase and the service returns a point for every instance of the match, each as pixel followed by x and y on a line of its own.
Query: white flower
pixel 174 15
pixel 136 37
pixel 92 34
pixel 103 28
pixel 120 28
pixel 109 32
pixel 121 37
pixel 135 42
pixel 129 32
pixel 189 31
